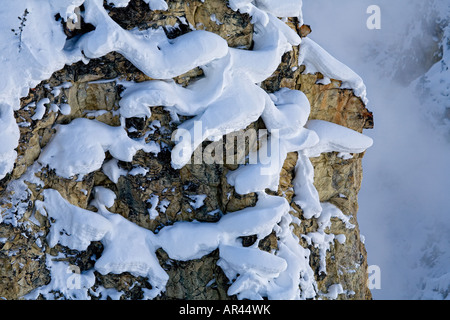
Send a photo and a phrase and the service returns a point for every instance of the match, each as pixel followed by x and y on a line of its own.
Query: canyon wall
pixel 156 195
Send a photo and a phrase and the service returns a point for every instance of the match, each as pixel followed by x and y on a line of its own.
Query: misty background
pixel 404 202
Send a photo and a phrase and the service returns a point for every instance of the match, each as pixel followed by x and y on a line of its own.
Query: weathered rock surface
pixel 23 246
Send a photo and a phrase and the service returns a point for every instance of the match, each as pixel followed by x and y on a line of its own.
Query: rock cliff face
pixel 156 195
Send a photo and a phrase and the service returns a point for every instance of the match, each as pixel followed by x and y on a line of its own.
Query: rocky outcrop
pixel 91 93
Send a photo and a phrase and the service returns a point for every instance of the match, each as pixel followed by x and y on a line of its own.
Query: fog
pixel 405 200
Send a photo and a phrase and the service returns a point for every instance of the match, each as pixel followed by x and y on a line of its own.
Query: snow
pixel 130 248
pixel 40 109
pixel 226 99
pixel 316 59
pixel 260 10
pixel 197 200
pixel 112 170
pixel 65 109
pixel 322 239
pixel 434 88
pixel 189 240
pixel 334 291
pixel 74 227
pixel 66 282
pixel 214 100
pixel 154 199
pixel 341 238
pixel 138 171
pixel 336 138
pixel 306 195
pixel 8 139
pixel 150 50
pixel 70 157
pixel 214 19
pixel 157 4
pixel 56 91
pixel 298 273
pixel 286 117
pixel 290 8
pixel 27 59
pixel 19 195
pixel 163 205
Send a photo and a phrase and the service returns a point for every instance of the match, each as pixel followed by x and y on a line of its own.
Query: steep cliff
pixel 99 205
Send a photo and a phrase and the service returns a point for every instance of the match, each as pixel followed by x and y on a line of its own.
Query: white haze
pixel 404 202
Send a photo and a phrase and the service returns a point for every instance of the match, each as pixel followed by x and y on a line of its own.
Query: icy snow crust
pixel 80 156
pixel 316 59
pixel 26 60
pixel 227 99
